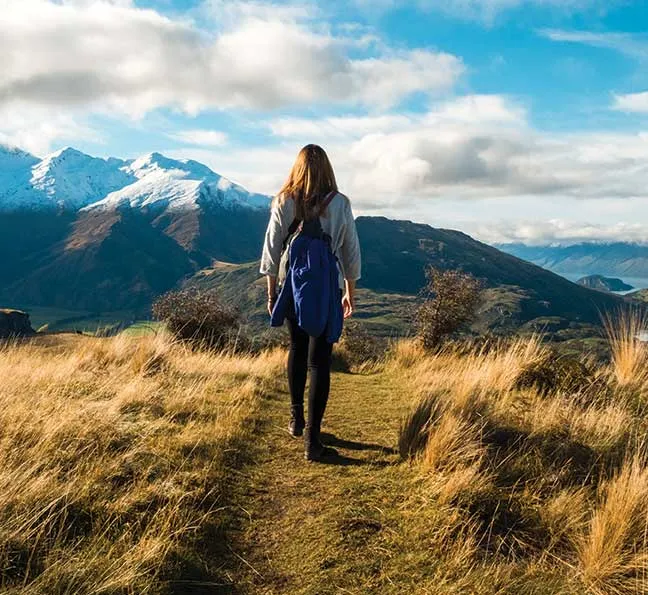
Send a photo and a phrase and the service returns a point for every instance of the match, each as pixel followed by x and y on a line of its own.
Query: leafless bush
pixel 358 346
pixel 200 318
pixel 450 301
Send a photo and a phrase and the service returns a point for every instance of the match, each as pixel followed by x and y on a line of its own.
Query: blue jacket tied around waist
pixel 311 287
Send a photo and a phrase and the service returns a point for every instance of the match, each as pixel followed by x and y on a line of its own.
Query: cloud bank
pixel 557 231
pixel 474 147
pixel 112 55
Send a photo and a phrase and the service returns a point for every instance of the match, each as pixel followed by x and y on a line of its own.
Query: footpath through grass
pixel 313 528
pixel 302 516
pixel 512 486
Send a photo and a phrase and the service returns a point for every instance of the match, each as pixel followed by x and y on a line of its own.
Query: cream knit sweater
pixel 337 222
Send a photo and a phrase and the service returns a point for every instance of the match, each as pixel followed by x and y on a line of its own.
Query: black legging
pixel 314 355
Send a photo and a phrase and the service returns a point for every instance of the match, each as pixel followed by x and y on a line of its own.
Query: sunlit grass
pixel 113 459
pixel 629 353
pixel 520 472
pixel 549 481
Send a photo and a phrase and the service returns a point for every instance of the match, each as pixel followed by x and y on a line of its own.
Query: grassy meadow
pixel 133 465
pixel 116 457
pixel 60 320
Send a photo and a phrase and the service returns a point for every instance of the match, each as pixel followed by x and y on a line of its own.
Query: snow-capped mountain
pixel 87 233
pixel 15 173
pixel 14 160
pixel 71 180
pixel 163 183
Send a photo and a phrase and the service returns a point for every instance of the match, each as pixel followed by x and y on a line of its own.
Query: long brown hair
pixel 311 179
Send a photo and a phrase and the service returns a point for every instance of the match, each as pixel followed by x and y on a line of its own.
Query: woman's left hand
pixel 271 304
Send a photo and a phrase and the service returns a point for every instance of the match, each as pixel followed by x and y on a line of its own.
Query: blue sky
pixel 509 119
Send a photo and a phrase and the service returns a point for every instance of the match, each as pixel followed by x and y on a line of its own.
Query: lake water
pixel 636 282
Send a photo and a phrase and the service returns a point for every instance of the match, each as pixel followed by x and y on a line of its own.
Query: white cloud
pixel 559 231
pixel 464 146
pixel 337 127
pixel 66 60
pixel 473 164
pixel 102 54
pixel 488 11
pixel 635 46
pixel 469 109
pixel 37 129
pixel 258 169
pixel 467 150
pixel 210 138
pixel 228 13
pixel 632 102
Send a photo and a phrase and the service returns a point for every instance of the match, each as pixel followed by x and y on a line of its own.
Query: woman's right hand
pixel 347 305
pixel 272 293
pixel 348 301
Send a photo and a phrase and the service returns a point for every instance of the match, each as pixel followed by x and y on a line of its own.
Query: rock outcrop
pixel 14 323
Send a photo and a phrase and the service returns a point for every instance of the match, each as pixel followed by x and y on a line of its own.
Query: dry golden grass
pixel 629 355
pixel 114 457
pixel 120 458
pixel 613 555
pixel 540 483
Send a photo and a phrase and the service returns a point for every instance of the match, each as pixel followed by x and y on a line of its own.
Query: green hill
pixel 602 283
pixel 395 254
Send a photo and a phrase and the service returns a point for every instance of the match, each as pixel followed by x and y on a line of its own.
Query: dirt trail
pixel 312 528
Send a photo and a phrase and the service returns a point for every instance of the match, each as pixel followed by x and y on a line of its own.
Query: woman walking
pixel 310 198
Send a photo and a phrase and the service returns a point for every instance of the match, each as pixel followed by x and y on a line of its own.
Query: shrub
pixel 199 317
pixel 268 340
pixel 450 301
pixel 358 346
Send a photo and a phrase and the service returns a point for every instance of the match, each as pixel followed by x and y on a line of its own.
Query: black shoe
pixel 297 423
pixel 319 452
pixel 296 427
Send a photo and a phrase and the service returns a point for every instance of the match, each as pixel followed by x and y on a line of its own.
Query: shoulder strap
pixel 327 201
pixel 294 226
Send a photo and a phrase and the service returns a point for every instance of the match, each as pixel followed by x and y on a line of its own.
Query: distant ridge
pixel 615 259
pixel 395 254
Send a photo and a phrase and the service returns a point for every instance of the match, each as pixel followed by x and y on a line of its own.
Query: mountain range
pixel 107 234
pixel 617 259
pixel 83 233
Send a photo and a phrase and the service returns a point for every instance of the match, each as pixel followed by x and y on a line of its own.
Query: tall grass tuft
pixel 613 553
pixel 415 427
pixel 629 354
